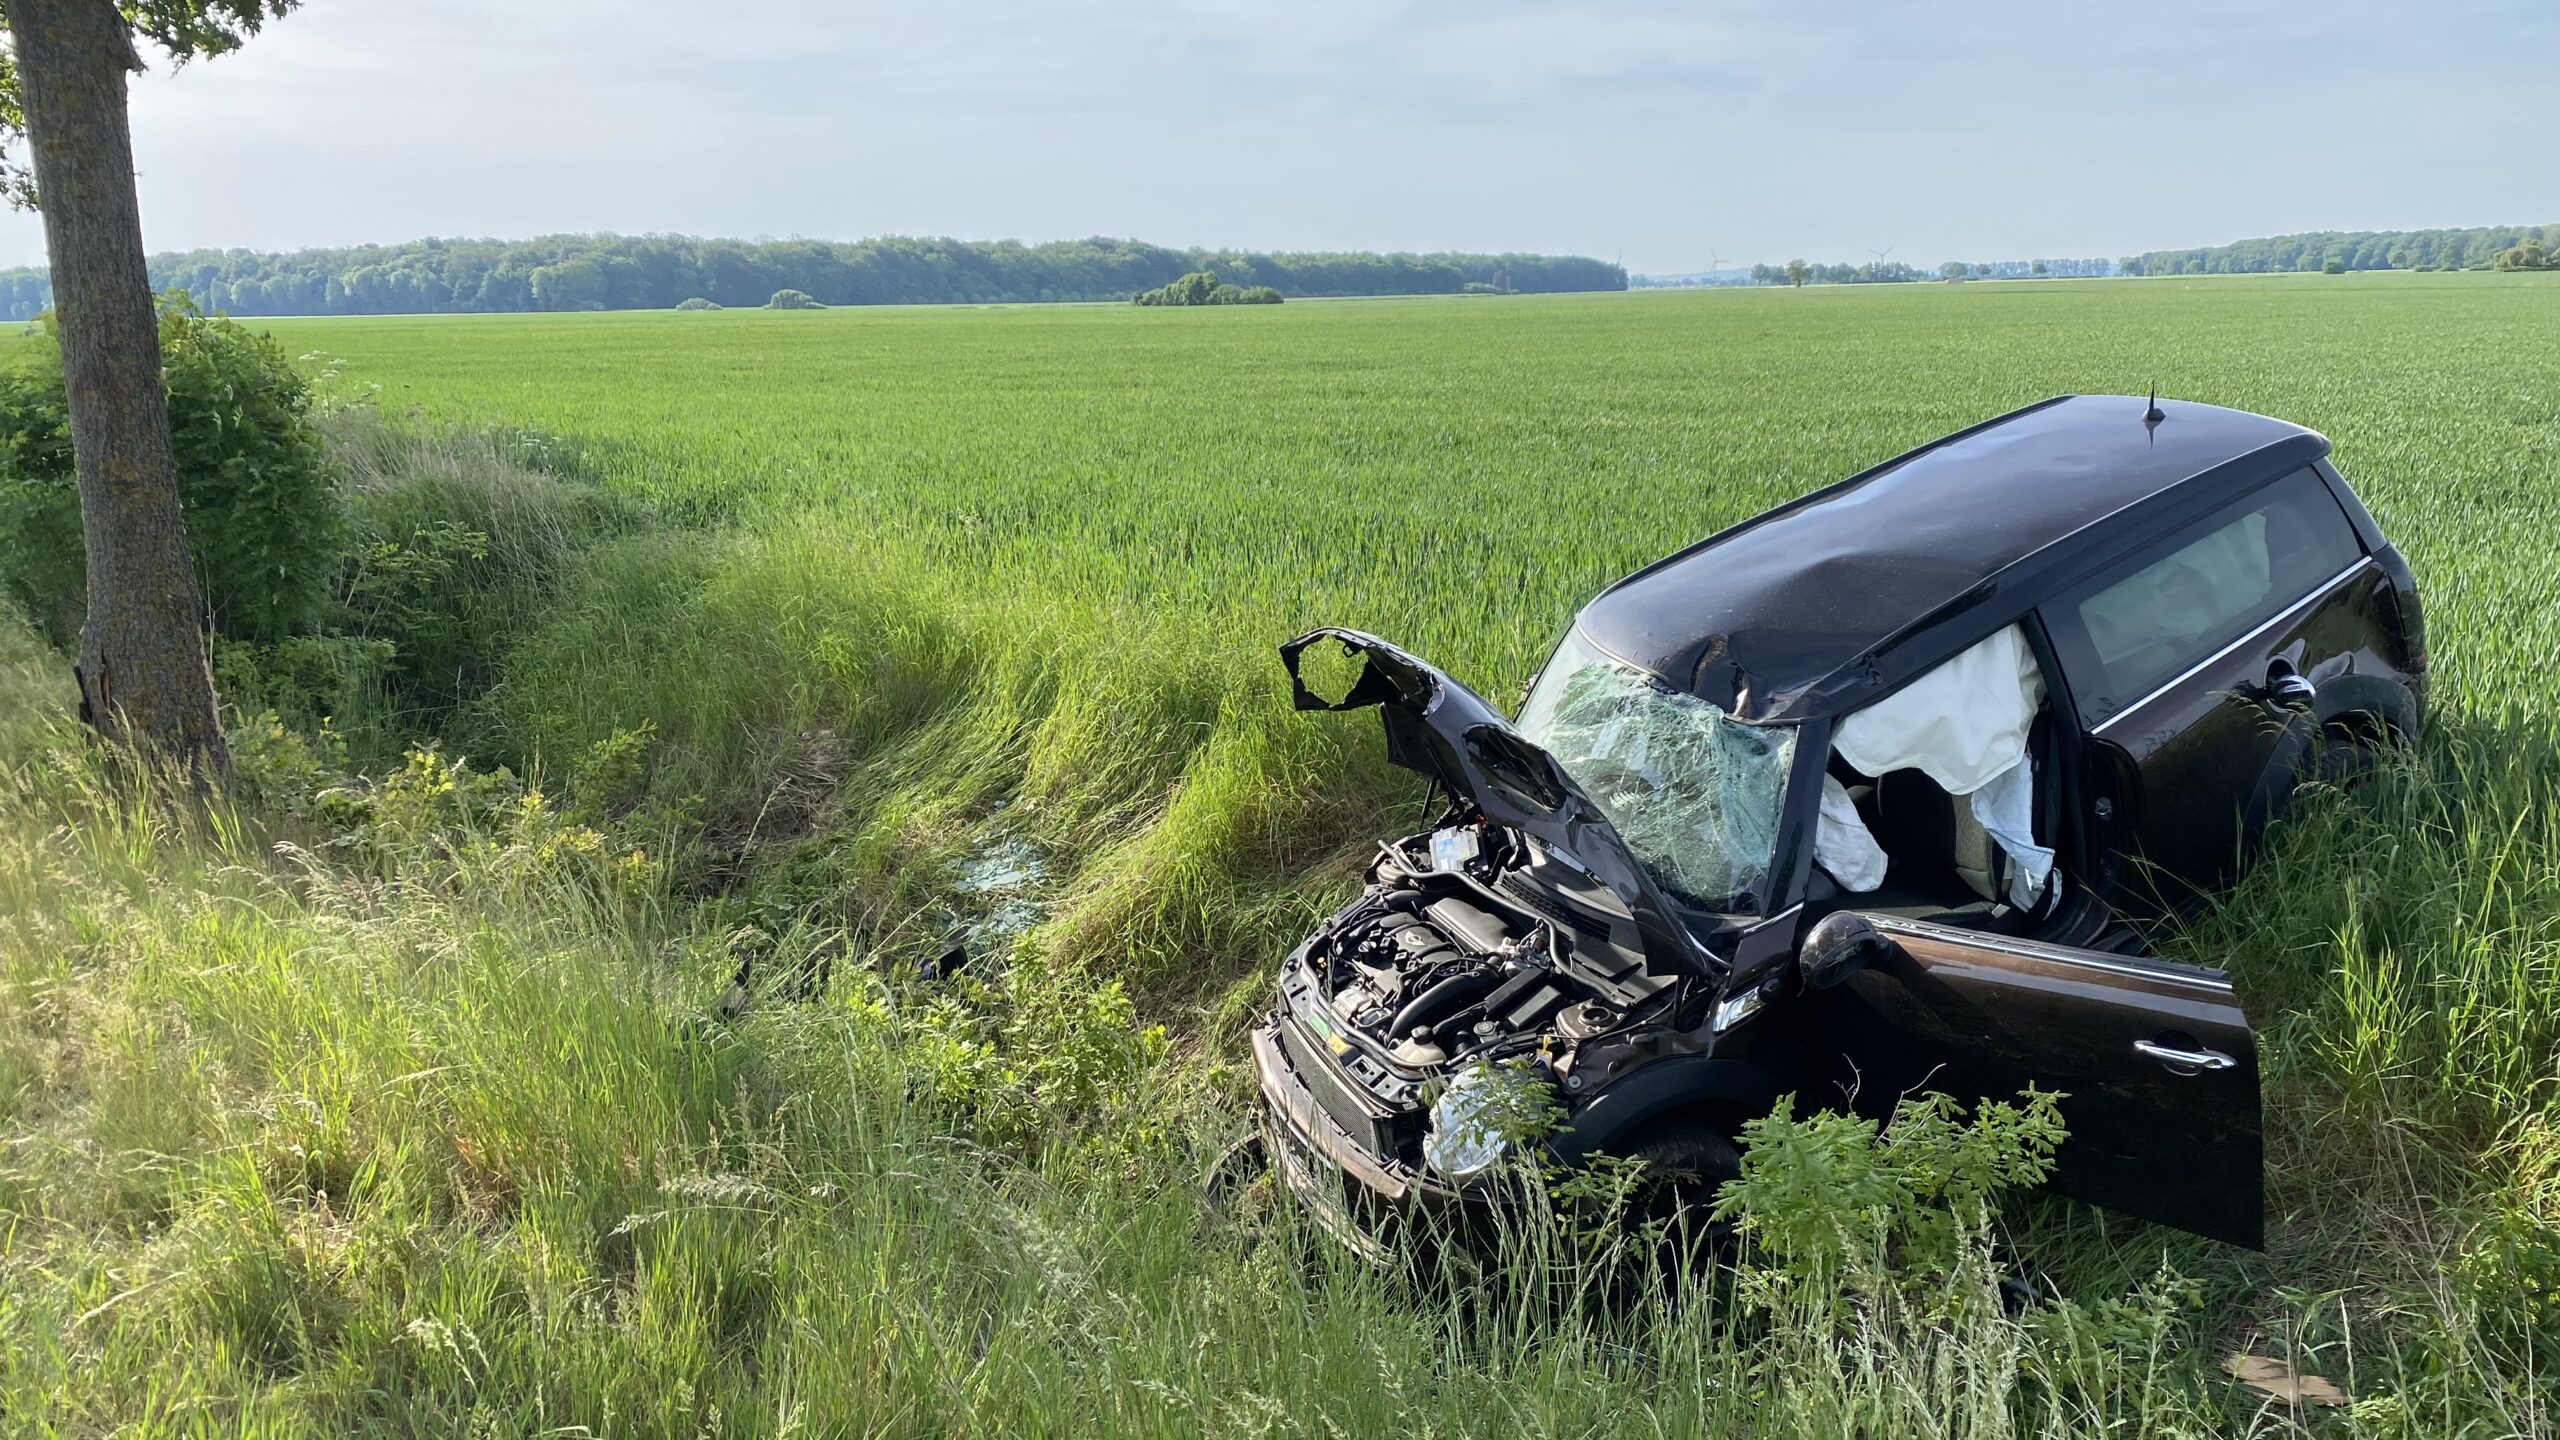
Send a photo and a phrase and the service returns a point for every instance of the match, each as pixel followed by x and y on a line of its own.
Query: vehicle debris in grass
pixel 2279 1381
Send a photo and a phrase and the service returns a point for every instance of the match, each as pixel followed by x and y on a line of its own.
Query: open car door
pixel 2155 1061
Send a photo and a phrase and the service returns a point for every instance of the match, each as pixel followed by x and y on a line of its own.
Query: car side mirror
pixel 1842 944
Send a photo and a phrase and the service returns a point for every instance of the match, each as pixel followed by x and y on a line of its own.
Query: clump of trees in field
pixel 657 272
pixel 698 303
pixel 788 299
pixel 2529 254
pixel 1203 287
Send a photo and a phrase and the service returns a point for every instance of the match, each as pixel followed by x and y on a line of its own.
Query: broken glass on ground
pixel 1002 876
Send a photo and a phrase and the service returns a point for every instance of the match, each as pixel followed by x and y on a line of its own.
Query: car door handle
pixel 2181 1060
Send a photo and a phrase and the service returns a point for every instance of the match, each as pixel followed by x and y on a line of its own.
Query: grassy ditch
pixel 541 1044
pixel 421 1128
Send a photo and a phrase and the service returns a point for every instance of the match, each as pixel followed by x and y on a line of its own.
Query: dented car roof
pixel 1817 606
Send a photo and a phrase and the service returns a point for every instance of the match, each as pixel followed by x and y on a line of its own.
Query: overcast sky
pixel 1653 132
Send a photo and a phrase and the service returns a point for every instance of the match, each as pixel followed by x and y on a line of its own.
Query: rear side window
pixel 2195 594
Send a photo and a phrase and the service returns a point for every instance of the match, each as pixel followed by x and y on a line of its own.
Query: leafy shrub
pixel 259 491
pixel 1840 1206
pixel 698 303
pixel 439 821
pixel 41 564
pixel 283 767
pixel 308 683
pixel 1868 1239
pixel 1033 1055
pixel 792 300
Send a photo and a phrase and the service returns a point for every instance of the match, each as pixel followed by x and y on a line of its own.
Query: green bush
pixel 698 303
pixel 40 544
pixel 1842 1207
pixel 793 300
pixel 260 493
pixel 452 542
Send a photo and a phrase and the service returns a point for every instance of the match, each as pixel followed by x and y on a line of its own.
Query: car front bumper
pixel 1374 1203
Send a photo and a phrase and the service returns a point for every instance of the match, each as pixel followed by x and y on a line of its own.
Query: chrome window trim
pixel 2139 967
pixel 2290 613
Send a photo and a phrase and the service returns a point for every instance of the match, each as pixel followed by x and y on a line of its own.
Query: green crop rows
pixel 1462 474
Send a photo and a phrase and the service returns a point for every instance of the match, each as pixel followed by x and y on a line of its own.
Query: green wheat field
pixel 811 639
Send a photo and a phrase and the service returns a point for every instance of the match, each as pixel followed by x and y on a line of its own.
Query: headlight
pixel 1474 1119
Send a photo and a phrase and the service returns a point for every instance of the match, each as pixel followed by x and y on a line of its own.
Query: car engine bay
pixel 1470 945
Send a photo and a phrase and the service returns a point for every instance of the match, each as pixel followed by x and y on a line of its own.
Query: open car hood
pixel 1447 733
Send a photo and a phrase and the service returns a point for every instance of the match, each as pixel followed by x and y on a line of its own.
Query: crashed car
pixel 1877 793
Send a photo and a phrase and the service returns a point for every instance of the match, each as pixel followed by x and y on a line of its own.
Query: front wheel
pixel 1687 1162
pixel 1232 1177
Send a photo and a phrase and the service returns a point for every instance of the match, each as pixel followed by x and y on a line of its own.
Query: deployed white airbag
pixel 1842 845
pixel 1964 725
pixel 1961 724
pixel 2006 807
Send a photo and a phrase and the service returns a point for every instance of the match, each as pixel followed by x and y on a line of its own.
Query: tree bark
pixel 142 671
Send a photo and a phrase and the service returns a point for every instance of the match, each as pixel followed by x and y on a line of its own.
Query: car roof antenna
pixel 2152 415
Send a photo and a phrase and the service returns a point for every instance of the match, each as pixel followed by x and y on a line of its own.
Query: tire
pixel 1687 1162
pixel 1231 1177
pixel 2346 758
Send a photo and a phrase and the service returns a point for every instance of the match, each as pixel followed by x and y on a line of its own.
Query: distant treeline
pixel 1876 272
pixel 648 272
pixel 1894 272
pixel 2474 249
pixel 2486 247
pixel 1798 272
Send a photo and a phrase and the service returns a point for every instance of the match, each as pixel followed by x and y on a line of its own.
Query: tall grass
pixel 429 1135
pixel 307 1148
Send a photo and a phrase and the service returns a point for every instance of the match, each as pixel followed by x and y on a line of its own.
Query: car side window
pixel 2183 600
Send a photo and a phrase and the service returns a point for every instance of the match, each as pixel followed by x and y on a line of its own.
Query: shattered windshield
pixel 1694 793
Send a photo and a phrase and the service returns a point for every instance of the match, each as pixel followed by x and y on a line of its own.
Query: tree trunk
pixel 142 651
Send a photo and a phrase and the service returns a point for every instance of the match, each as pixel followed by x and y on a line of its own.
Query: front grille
pixel 1360 1117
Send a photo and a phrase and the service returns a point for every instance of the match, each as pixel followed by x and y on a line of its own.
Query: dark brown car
pixel 1872 794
